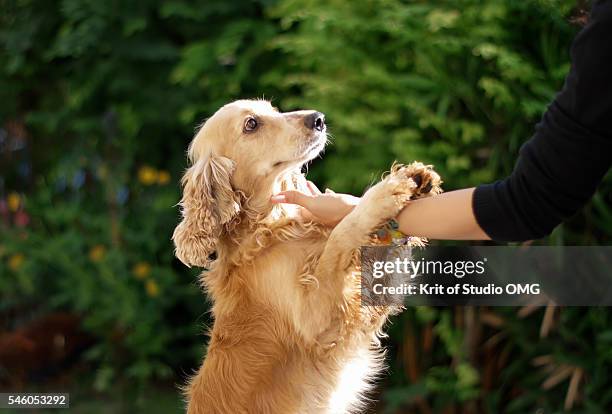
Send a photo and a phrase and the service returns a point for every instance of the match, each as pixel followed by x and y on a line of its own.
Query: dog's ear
pixel 208 203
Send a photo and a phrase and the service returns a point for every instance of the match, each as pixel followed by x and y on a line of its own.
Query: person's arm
pixel 447 216
pixel 559 168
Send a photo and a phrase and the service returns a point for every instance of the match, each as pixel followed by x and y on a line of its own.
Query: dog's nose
pixel 316 121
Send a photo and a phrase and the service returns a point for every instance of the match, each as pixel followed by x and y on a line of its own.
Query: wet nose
pixel 315 120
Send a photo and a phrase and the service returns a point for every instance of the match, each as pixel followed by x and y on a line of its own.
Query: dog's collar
pixel 390 234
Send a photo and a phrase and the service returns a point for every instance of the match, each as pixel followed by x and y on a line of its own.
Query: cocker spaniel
pixel 290 334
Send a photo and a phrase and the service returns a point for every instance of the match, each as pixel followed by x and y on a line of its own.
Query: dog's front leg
pixel 324 304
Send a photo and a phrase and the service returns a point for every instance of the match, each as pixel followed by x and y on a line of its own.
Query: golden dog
pixel 289 334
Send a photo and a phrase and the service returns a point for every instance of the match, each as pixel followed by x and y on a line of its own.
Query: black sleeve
pixel 559 168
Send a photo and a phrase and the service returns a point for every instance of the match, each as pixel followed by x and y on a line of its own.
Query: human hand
pixel 327 208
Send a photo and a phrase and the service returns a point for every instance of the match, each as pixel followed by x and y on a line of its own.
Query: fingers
pixel 297 197
pixel 292 197
pixel 313 188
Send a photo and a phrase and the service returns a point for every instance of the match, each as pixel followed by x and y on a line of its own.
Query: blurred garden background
pixel 99 100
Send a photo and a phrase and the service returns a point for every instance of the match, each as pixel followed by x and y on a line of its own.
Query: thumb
pixel 292 197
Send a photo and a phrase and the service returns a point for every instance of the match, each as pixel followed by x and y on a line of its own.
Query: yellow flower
pixel 102 172
pixel 15 261
pixel 141 270
pixel 97 252
pixel 13 200
pixel 147 175
pixel 163 177
pixel 152 288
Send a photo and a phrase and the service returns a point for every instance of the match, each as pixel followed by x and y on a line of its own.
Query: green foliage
pixel 98 101
pixel 460 87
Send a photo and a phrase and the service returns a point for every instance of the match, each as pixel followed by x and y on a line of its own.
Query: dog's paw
pixel 426 181
pixel 389 196
pixel 399 187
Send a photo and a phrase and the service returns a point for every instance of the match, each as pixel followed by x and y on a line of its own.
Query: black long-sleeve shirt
pixel 559 168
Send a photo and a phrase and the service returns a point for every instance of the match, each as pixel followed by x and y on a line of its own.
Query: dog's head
pixel 246 150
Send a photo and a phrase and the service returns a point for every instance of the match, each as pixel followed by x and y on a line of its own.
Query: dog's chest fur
pixel 346 388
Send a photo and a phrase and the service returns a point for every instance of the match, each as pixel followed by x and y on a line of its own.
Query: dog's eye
pixel 250 125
